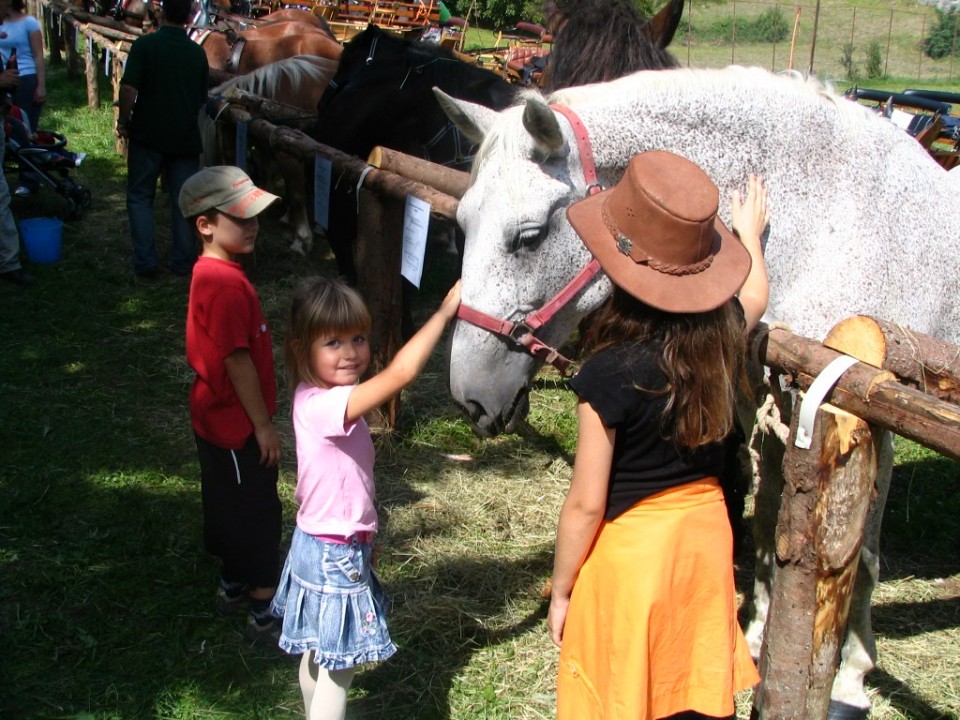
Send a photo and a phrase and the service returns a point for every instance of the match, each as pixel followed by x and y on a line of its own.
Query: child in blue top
pixel 330 599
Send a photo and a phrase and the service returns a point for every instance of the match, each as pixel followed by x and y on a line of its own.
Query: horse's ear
pixel 662 26
pixel 541 122
pixel 471 119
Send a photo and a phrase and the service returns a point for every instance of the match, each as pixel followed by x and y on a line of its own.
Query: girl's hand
pixel 749 217
pixel 39 96
pixel 557 618
pixel 448 308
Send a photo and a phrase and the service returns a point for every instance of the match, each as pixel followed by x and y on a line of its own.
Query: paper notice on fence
pixel 242 129
pixel 322 178
pixel 416 220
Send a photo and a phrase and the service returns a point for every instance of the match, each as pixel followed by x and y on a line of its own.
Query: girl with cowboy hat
pixel 643 601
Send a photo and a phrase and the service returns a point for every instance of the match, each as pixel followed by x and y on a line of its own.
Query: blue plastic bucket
pixel 42 239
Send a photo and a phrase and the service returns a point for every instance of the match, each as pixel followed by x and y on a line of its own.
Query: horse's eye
pixel 529 236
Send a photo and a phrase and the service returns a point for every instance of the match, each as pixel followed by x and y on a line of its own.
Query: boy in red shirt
pixel 233 397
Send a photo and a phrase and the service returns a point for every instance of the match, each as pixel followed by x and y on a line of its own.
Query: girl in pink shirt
pixel 329 597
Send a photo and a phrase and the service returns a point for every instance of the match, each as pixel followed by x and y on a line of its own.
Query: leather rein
pixel 522 331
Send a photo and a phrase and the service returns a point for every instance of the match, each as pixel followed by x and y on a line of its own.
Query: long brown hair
pixel 700 354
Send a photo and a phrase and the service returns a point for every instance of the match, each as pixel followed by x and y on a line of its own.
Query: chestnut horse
pixel 243 52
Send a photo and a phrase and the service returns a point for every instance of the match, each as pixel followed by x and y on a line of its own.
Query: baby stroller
pixel 43 158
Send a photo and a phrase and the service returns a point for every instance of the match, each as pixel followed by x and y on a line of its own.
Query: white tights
pixel 324 691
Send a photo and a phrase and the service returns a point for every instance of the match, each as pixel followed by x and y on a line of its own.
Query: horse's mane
pixel 293 72
pixel 397 57
pixel 600 40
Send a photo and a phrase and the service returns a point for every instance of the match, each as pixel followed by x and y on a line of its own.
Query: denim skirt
pixel 332 603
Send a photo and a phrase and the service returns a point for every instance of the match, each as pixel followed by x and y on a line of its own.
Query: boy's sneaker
pixel 262 631
pixel 230 599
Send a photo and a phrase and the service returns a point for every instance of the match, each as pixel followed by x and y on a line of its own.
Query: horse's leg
pixel 849 700
pixel 295 194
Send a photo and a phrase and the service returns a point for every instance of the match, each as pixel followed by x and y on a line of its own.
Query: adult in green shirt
pixel 164 86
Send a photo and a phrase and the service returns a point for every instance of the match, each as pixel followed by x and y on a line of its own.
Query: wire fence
pixel 845 44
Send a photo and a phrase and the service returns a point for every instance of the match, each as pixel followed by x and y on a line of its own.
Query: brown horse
pixel 298 82
pixel 243 52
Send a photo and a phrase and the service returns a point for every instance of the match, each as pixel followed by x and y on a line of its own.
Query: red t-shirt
pixel 224 315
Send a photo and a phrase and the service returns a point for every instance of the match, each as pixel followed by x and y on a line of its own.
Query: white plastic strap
pixel 817 391
pixel 363 176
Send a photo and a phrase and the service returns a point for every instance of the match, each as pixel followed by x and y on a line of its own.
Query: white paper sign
pixel 242 144
pixel 416 221
pixel 322 179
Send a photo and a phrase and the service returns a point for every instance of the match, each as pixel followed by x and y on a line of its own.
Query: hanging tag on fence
pixel 416 222
pixel 322 179
pixel 814 396
pixel 106 61
pixel 242 130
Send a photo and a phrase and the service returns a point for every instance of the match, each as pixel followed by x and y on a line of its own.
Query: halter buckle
pixel 519 331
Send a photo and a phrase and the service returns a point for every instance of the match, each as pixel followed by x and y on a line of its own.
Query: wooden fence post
pixel 377 258
pixel 826 497
pixel 93 85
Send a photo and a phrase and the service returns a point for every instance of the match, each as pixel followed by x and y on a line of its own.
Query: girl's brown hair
pixel 700 353
pixel 320 306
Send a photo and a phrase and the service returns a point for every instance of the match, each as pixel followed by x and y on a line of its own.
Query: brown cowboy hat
pixel 657 235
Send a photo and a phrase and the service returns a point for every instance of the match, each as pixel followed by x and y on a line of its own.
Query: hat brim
pixel 249 204
pixel 693 293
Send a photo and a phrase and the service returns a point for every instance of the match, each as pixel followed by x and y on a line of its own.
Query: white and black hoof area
pixel 842 711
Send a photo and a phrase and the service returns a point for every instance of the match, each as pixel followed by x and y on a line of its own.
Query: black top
pixel 625 386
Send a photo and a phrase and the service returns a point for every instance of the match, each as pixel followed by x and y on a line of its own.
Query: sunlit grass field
pixel 106 604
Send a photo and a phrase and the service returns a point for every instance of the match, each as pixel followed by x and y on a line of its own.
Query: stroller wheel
pixel 77 202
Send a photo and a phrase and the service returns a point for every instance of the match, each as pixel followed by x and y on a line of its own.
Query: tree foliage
pixel 942 40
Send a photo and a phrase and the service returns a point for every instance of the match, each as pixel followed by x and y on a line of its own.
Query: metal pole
pixel 923 29
pixel 733 40
pixel 813 43
pixel 689 30
pixel 889 33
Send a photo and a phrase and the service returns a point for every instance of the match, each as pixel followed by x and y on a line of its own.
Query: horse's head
pixel 382 95
pixel 520 251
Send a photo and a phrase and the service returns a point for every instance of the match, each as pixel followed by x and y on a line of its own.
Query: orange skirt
pixel 652 626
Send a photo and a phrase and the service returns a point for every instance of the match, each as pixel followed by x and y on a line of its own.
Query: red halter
pixel 522 331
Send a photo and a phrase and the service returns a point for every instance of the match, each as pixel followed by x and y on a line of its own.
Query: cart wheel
pixel 77 202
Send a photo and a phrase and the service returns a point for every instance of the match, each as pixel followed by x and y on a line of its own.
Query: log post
pixel 72 34
pixel 825 502
pixel 116 74
pixel 919 360
pixel 377 257
pixel 92 68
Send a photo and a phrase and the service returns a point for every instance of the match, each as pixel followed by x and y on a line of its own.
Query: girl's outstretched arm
pixel 749 219
pixel 406 364
pixel 582 512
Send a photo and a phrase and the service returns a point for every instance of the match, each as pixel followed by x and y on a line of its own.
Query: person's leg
pixel 183 243
pixel 324 691
pixel 23 97
pixel 218 483
pixel 9 237
pixel 143 171
pixel 256 554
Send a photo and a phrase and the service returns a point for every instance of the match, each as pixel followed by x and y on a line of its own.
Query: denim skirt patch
pixel 332 603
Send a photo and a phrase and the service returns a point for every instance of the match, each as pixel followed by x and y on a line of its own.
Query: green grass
pixel 106 601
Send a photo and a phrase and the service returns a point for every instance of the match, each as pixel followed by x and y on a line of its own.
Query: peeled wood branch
pixel 868 393
pixel 452 182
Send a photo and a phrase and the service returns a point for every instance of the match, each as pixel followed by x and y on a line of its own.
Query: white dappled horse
pixel 863 221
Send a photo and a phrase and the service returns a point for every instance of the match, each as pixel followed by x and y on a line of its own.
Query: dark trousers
pixel 241 512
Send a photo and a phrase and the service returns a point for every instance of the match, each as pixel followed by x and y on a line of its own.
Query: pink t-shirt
pixel 335 485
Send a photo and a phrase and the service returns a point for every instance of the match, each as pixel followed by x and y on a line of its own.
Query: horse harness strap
pixel 236 50
pixel 522 331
